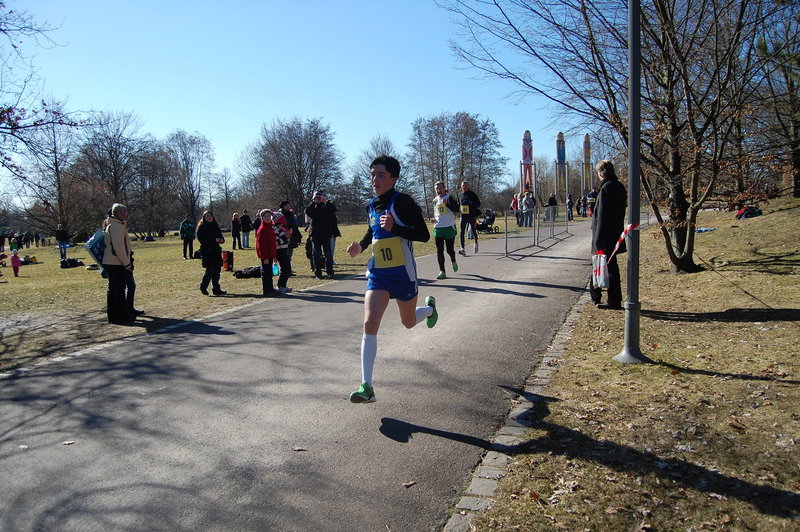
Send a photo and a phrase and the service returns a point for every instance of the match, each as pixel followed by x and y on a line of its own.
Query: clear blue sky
pixel 223 69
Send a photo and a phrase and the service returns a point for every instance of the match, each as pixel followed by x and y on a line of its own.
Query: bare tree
pixel 20 114
pixel 290 160
pixel 110 154
pixel 193 160
pixel 453 148
pixel 50 193
pixel 779 45
pixel 153 192
pixel 697 71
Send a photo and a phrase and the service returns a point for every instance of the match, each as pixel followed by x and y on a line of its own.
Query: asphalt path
pixel 241 421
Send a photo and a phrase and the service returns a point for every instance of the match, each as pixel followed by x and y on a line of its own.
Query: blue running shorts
pixel 402 290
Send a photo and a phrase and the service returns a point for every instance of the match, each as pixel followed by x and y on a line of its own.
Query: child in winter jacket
pixel 16 262
pixel 266 250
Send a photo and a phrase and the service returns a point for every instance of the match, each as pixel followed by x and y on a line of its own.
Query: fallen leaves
pixel 736 425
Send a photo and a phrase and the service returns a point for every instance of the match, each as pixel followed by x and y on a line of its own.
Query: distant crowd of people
pixel 24 240
pixel 523 206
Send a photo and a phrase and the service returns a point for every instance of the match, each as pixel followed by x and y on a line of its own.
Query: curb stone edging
pixel 479 495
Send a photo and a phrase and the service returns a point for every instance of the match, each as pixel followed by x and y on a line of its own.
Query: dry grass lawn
pixel 706 438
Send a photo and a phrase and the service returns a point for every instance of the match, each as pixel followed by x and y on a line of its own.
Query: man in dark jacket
pixel 247 226
pixel 291 224
pixel 608 222
pixel 321 233
pixel 62 236
pixel 470 210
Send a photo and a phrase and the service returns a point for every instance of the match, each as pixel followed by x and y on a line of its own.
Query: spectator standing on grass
pixel 335 233
pixel 236 231
pixel 445 208
pixel 130 281
pixel 187 233
pixel 210 237
pixel 117 263
pixel 470 210
pixel 2 241
pixel 295 237
pixel 321 233
pixel 247 226
pixel 608 222
pixel 16 262
pixel 62 237
pixel 266 251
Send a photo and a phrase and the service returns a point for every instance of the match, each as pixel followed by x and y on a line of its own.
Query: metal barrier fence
pixel 545 224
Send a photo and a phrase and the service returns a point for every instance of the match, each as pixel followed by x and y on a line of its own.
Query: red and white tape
pixel 631 227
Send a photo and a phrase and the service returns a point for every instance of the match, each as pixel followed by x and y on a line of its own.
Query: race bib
pixel 441 209
pixel 388 252
pixel 465 209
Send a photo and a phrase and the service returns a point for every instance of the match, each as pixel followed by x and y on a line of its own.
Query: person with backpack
pixel 117 263
pixel 210 237
pixel 187 234
pixel 247 226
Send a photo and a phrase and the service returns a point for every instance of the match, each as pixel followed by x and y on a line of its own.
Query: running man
pixel 470 210
pixel 395 221
pixel 445 208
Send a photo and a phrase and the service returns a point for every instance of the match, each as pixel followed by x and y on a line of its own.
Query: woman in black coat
pixel 210 236
pixel 608 222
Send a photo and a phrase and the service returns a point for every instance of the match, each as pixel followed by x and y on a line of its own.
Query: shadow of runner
pixel 402 432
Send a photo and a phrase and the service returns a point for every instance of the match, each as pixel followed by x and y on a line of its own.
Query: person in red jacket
pixel 267 251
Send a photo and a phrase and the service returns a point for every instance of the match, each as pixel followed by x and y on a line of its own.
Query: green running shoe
pixel 441 275
pixel 431 320
pixel 364 394
pixel 455 266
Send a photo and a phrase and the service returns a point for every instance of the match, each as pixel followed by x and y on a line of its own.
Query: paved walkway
pixel 241 421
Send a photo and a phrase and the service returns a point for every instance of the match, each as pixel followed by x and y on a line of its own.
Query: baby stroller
pixel 485 225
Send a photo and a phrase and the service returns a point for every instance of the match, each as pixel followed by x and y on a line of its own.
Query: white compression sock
pixel 423 312
pixel 369 348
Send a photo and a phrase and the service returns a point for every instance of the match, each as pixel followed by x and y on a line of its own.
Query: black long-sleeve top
pixel 407 212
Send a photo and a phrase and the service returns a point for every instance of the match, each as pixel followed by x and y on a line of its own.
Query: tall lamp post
pixel 631 352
